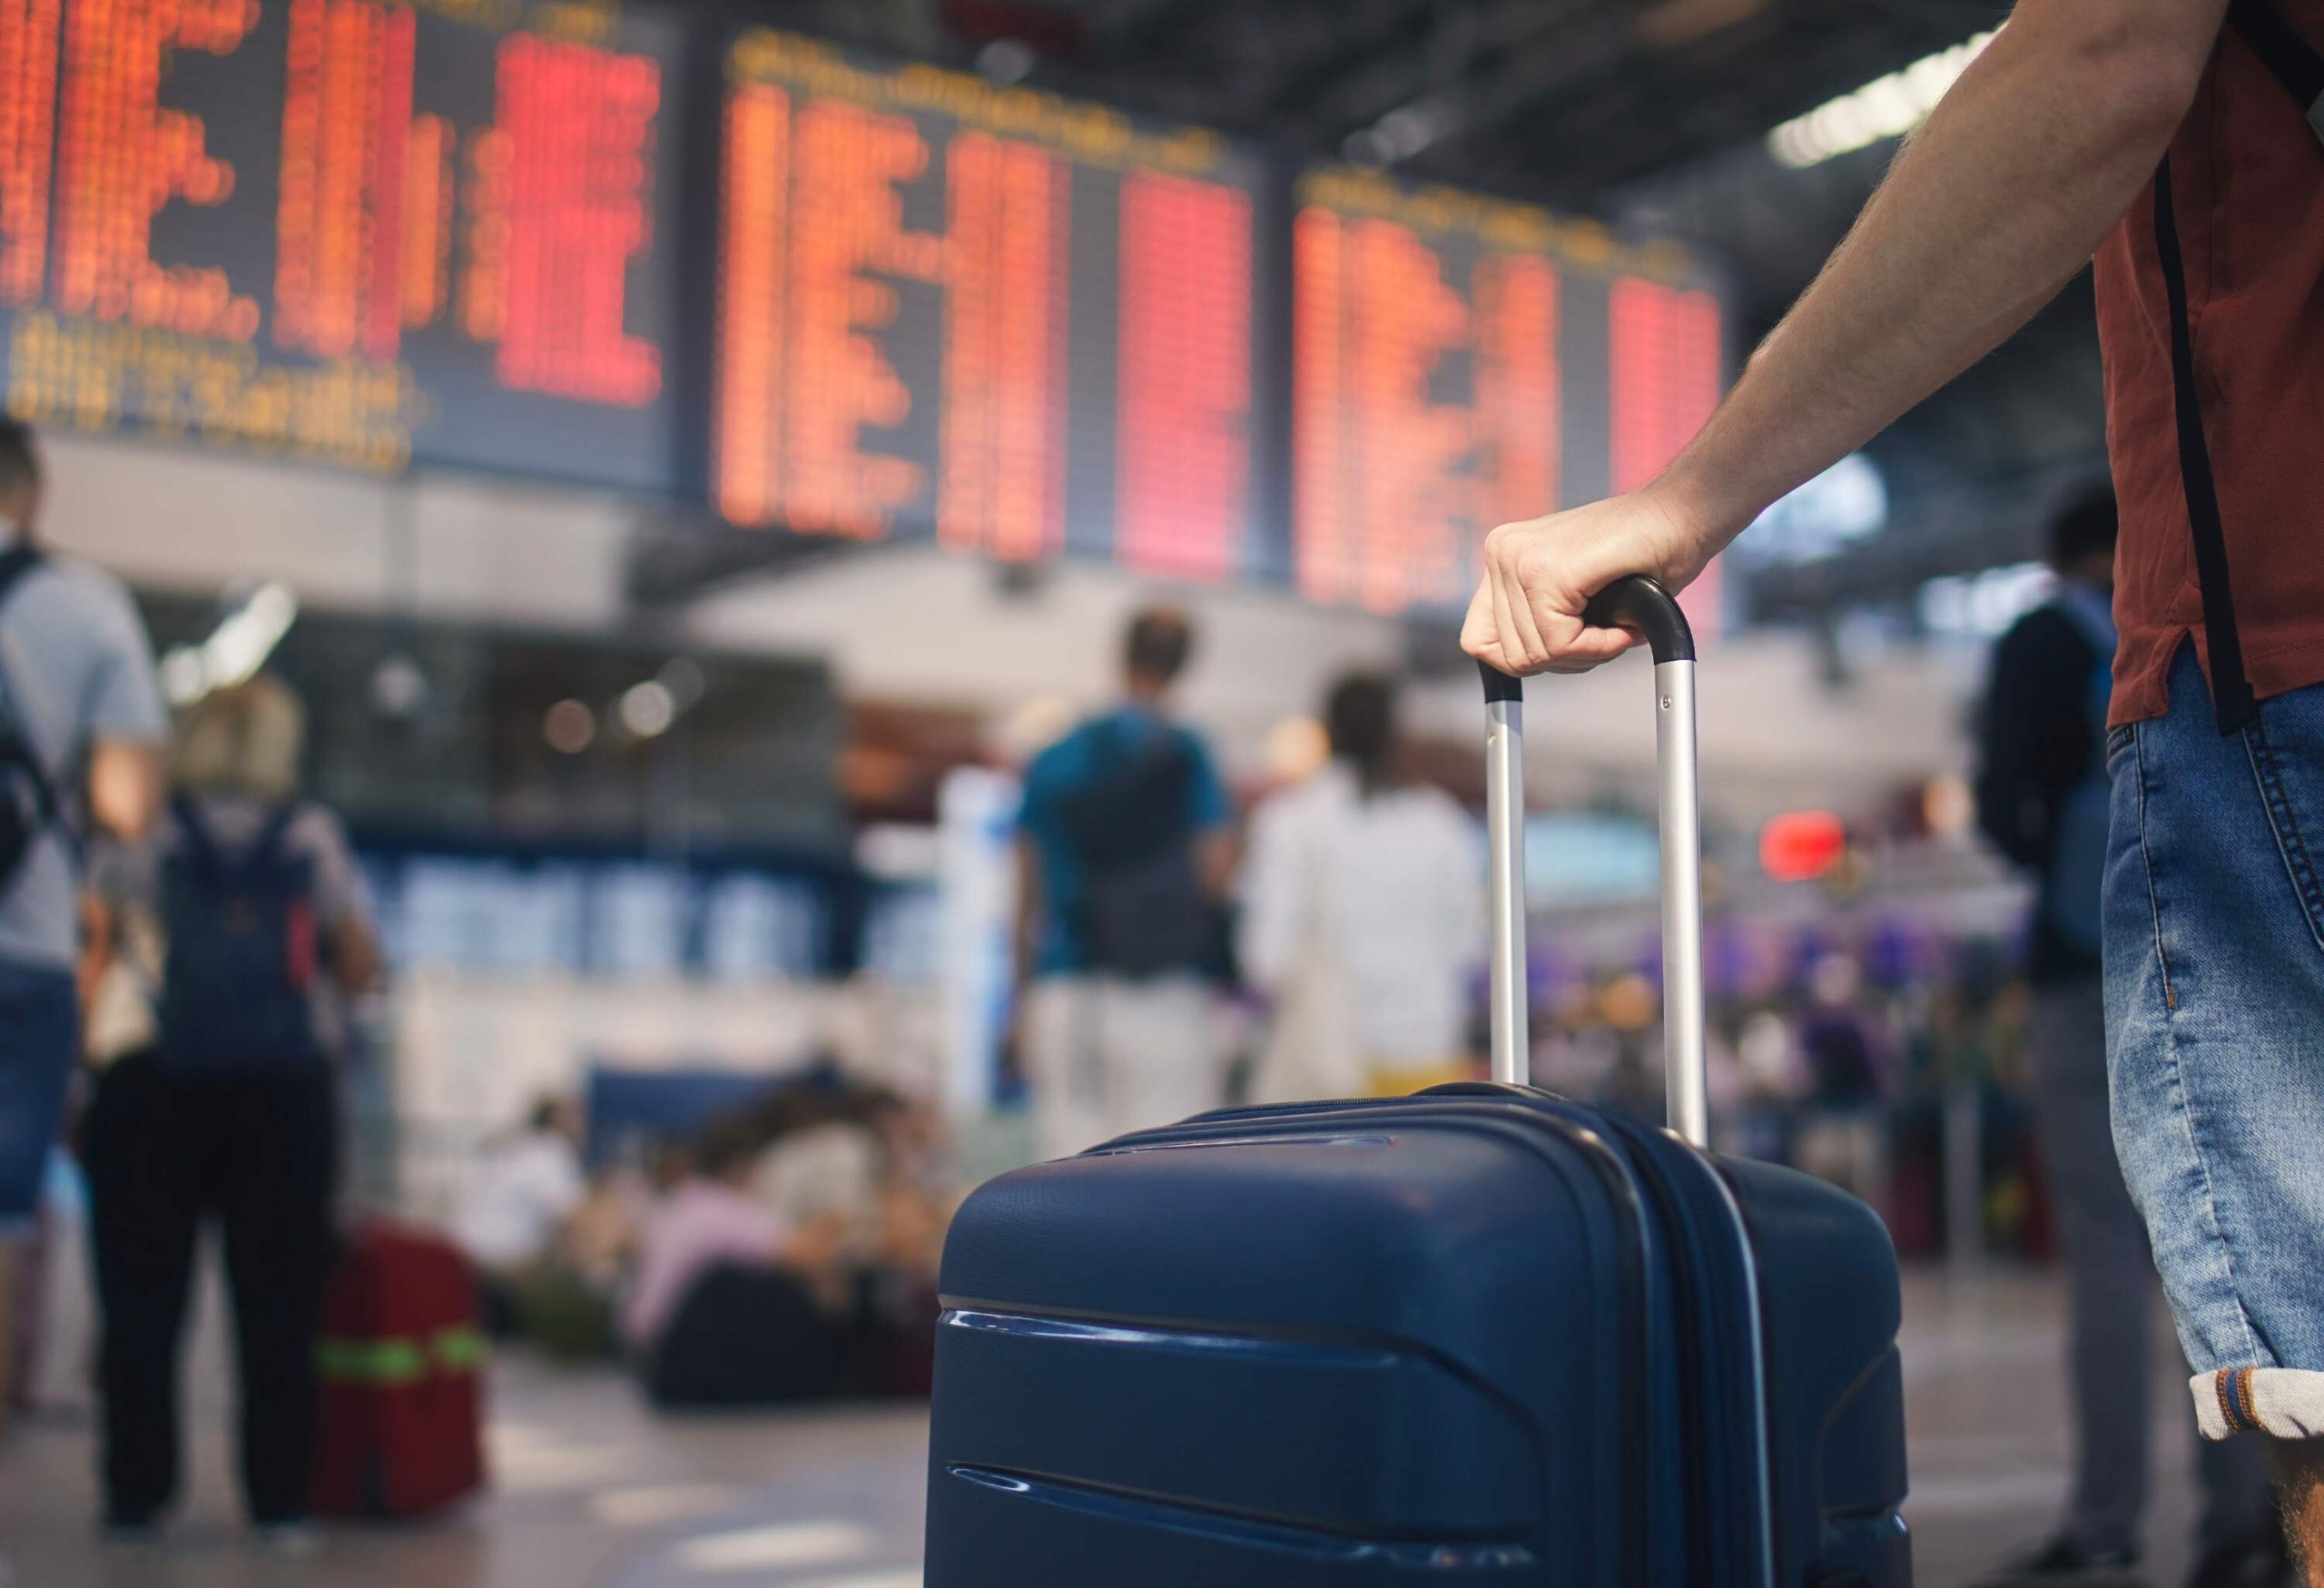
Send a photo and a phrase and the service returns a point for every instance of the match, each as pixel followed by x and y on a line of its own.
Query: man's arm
pixel 128 725
pixel 98 951
pixel 125 786
pixel 1217 857
pixel 356 964
pixel 1990 209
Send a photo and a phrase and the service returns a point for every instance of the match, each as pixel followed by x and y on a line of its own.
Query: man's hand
pixel 1526 617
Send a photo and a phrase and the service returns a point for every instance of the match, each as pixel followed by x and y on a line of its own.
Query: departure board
pixel 1459 361
pixel 1019 324
pixel 353 232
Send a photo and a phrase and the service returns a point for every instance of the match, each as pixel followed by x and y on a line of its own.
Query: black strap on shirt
pixel 2300 69
pixel 2232 698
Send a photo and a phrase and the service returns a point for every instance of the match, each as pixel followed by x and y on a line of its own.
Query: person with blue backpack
pixel 2042 797
pixel 247 920
pixel 1125 855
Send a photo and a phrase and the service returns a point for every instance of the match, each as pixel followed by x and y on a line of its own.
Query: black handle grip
pixel 1640 603
pixel 1635 601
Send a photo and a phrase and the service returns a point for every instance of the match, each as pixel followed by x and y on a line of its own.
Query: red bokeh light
pixel 1802 845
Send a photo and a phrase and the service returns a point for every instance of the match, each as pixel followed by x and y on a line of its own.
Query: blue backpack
pixel 2074 883
pixel 239 983
pixel 1143 911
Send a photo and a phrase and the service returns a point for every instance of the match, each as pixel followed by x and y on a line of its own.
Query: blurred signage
pixel 1021 324
pixel 353 232
pixel 1575 857
pixel 621 919
pixel 1981 606
pixel 423 731
pixel 976 971
pixel 1841 506
pixel 1460 362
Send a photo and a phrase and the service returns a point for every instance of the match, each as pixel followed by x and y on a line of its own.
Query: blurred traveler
pixel 253 902
pixel 520 1190
pixel 81 726
pixel 2154 134
pixel 729 1305
pixel 1125 857
pixel 1362 919
pixel 2041 797
pixel 1837 1036
pixel 1842 1132
pixel 710 1219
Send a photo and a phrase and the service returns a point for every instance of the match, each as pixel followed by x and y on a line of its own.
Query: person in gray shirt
pixel 82 724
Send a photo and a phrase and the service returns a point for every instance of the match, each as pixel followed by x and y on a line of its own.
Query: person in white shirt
pixel 523 1187
pixel 1363 917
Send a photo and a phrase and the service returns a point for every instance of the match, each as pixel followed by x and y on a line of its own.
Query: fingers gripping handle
pixel 1644 604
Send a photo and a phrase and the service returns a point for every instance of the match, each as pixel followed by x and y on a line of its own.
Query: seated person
pixel 732 1305
pixel 709 1220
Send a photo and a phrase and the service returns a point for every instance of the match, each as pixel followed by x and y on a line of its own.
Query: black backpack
pixel 1144 911
pixel 29 804
pixel 245 950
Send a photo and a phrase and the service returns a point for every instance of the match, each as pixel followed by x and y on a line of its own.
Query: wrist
pixel 1693 517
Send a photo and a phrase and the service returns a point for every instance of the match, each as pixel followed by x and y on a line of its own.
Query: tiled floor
pixel 593 1493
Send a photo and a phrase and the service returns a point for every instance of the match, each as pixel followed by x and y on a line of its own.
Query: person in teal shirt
pixel 1125 854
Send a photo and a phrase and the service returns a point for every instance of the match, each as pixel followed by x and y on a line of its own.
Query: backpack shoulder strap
pixel 269 842
pixel 199 844
pixel 2296 62
pixel 214 859
pixel 15 563
pixel 2092 618
pixel 48 807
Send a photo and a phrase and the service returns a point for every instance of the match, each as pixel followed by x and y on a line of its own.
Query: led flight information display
pixel 1020 324
pixel 1459 361
pixel 354 232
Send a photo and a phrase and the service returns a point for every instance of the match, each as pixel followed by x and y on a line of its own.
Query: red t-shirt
pixel 2248 184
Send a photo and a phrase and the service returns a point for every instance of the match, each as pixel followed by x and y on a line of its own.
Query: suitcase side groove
pixel 1435 1555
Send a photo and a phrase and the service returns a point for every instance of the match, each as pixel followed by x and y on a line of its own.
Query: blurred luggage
pixel 1482 1334
pixel 744 1335
pixel 749 1335
pixel 402 1364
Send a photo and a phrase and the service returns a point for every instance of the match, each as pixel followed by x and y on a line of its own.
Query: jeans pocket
pixel 2286 744
pixel 2119 740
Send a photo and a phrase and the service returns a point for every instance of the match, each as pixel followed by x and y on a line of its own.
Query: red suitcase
pixel 402 1368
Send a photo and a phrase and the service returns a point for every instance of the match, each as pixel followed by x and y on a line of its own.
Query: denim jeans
pixel 2214 917
pixel 40 1036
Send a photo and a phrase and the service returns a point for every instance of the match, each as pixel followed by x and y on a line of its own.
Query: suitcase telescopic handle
pixel 1642 605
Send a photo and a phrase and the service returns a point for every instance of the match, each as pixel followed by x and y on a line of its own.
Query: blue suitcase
pixel 1480 1335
